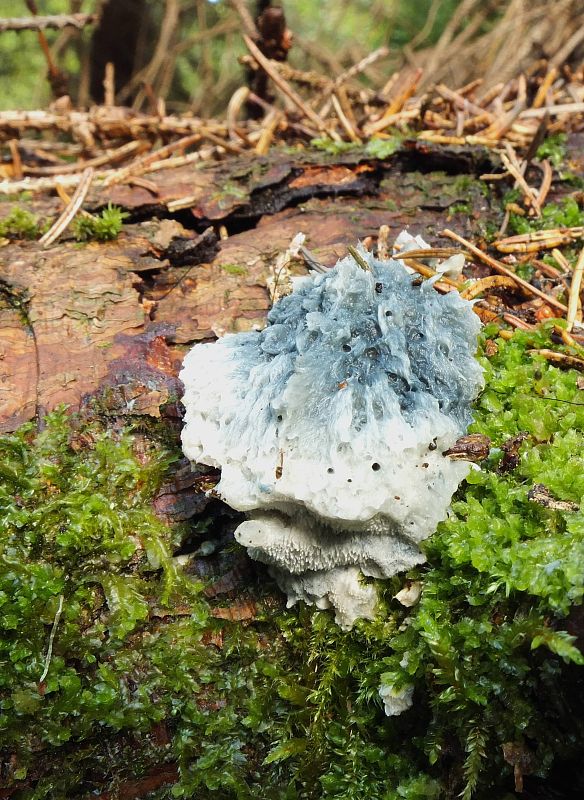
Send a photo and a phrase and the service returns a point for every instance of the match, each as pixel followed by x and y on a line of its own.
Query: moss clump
pixel 105 671
pixel 333 147
pixel 20 224
pixel 460 208
pixel 565 214
pixel 233 269
pixel 378 147
pixel 383 147
pixel 287 705
pixel 102 227
pixel 554 149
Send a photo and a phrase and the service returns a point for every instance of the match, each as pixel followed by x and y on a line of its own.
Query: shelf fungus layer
pixel 329 426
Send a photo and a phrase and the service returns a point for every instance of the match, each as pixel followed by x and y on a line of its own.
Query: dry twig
pixel 539 240
pixel 490 282
pixel 282 84
pixel 108 157
pixel 502 269
pixel 58 21
pixel 574 299
pixel 70 212
pixel 382 243
pixel 560 359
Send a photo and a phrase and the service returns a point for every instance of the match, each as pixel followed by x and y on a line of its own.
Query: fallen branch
pixel 574 300
pixel 109 157
pixel 563 108
pixel 444 284
pixel 362 65
pixel 57 21
pixel 107 123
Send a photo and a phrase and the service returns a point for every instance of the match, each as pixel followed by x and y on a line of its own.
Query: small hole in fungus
pixel 279 418
pixel 347 348
pixel 349 480
pixel 397 497
pixel 425 465
pixel 378 288
pixel 432 445
pixel 375 466
pixel 388 313
pixel 330 470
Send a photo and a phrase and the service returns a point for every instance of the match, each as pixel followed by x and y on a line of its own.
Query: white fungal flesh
pixel 340 588
pixel 396 702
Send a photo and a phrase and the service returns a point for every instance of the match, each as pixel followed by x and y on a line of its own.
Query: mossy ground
pixel 114 666
pixel 20 223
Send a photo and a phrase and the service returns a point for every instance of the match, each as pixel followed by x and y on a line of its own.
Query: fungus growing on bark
pixel 329 426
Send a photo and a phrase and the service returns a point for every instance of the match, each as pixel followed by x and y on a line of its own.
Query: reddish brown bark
pixel 113 320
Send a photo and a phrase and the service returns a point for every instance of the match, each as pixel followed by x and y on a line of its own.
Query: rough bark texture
pixel 113 320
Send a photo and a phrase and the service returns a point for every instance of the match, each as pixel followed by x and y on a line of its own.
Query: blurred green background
pixel 201 69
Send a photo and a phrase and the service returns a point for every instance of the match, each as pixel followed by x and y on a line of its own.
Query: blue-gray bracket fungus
pixel 329 426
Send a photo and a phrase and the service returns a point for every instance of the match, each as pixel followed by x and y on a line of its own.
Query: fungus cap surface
pixel 335 416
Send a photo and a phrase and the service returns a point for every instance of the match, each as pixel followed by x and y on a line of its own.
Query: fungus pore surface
pixel 329 426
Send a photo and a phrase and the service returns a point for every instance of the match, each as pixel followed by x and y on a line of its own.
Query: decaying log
pixel 77 302
pixel 112 321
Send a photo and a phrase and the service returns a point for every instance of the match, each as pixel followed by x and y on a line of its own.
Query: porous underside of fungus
pixel 329 427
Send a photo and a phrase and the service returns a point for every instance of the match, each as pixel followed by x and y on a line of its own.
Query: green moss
pixel 20 224
pixel 18 197
pixel 554 149
pixel 332 147
pixel 287 705
pixel 460 208
pixel 565 214
pixel 101 227
pixel 383 148
pixel 463 184
pixel 525 271
pixel 233 269
pixel 378 147
pixel 233 189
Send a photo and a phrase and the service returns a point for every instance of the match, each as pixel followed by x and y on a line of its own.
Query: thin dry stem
pixel 38 23
pixel 70 212
pixel 282 84
pixel 575 314
pixel 502 270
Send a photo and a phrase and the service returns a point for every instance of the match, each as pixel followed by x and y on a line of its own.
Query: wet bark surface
pixel 113 320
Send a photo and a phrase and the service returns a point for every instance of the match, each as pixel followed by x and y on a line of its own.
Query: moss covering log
pixel 149 690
